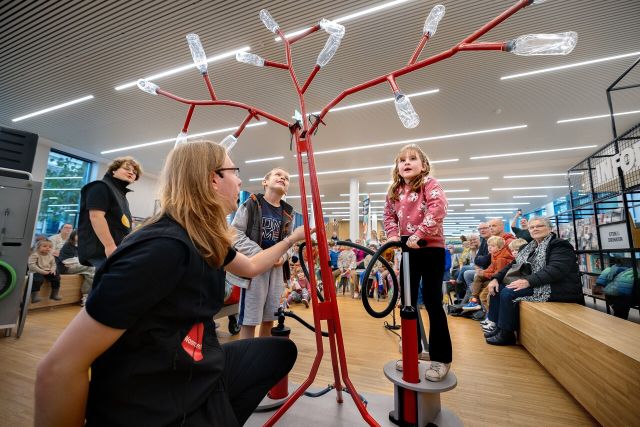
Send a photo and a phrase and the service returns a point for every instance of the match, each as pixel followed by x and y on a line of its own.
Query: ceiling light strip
pixel 541 175
pixel 528 188
pixel 600 116
pixel 522 153
pixel 182 68
pixel 195 135
pixel 55 107
pixel 564 67
pixel 266 159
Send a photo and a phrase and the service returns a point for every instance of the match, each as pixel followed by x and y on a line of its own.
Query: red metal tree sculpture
pixel 302 131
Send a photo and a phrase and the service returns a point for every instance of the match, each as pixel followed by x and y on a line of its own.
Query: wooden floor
pixel 498 386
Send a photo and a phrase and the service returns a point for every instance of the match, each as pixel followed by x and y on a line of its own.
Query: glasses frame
pixel 235 170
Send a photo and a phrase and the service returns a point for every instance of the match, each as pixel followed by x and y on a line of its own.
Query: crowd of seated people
pixel 537 266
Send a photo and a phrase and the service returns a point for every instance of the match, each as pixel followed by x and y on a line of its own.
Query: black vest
pixel 117 215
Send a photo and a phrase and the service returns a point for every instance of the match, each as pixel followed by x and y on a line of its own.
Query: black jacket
pixel 560 271
pixel 117 215
pixel 482 259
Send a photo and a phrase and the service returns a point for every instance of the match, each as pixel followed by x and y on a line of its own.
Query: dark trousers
pixel 252 368
pixel 427 264
pixel 38 279
pixel 503 310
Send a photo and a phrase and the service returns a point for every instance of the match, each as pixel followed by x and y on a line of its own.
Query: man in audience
pixel 521 232
pixel 58 240
pixel 105 218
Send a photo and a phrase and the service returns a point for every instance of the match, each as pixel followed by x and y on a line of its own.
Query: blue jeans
pixel 503 311
pixel 465 268
pixel 468 276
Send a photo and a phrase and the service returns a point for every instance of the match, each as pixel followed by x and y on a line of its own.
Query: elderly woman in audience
pixel 553 276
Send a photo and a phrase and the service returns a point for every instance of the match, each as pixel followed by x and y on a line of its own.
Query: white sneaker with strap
pixel 437 371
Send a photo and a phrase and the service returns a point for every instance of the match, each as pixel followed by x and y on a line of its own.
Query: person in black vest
pixel 105 218
pixel 147 330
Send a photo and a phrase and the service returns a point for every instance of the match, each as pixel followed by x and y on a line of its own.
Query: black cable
pixel 299 319
pixel 305 270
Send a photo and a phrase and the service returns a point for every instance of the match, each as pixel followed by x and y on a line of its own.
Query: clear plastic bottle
pixel 228 142
pixel 250 58
pixel 332 28
pixel 147 86
pixel 543 44
pixel 327 52
pixel 268 21
pixel 181 138
pixel 197 52
pixel 431 24
pixel 406 113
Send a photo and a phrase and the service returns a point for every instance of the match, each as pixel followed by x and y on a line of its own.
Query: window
pixel 60 201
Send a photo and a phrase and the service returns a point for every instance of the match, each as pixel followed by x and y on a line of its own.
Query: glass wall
pixel 60 201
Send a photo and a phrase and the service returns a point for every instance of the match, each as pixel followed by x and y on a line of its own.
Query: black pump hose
pixel 376 254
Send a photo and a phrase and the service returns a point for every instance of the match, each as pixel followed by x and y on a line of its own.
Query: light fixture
pixel 523 153
pixel 55 107
pixel 498 210
pixel 456 204
pixel 468 198
pixel 266 159
pixel 457 191
pixel 365 194
pixel 417 140
pixel 377 101
pixel 184 68
pixel 298 197
pixel 354 15
pixel 533 196
pixel 499 204
pixel 564 67
pixel 541 175
pixel 600 116
pixel 528 188
pixel 195 135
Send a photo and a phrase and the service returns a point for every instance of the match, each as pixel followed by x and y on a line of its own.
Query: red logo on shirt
pixel 192 343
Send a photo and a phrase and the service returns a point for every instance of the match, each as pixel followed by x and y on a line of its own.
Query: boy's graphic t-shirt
pixel 271 224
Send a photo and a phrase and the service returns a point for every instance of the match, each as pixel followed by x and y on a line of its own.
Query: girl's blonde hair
pixel 417 181
pixel 496 241
pixel 516 244
pixel 187 196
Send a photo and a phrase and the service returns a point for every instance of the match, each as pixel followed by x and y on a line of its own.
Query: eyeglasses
pixel 533 227
pixel 236 171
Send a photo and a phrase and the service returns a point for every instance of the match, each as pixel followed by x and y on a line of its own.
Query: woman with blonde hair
pixel 147 330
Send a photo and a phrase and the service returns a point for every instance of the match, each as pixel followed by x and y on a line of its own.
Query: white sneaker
pixel 399 364
pixel 437 371
pixel 489 325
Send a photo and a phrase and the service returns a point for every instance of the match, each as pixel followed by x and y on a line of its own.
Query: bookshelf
pixel 603 220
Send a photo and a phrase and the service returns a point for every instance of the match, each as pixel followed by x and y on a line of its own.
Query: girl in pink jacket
pixel 414 210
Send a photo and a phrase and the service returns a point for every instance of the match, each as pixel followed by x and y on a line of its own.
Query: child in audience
pixel 43 266
pixel 500 258
pixel 414 210
pixel 300 290
pixel 516 245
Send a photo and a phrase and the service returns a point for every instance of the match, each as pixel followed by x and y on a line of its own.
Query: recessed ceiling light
pixel 55 107
pixel 475 178
pixel 600 116
pixel 378 101
pixel 351 16
pixel 195 135
pixel 416 140
pixel 541 175
pixel 457 191
pixel 522 153
pixel 297 197
pixel 266 159
pixel 468 198
pixel 456 204
pixel 498 210
pixel 184 67
pixel 564 67
pixel 533 196
pixel 499 204
pixel 528 188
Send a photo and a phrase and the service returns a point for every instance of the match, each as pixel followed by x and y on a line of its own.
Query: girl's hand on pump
pixel 413 242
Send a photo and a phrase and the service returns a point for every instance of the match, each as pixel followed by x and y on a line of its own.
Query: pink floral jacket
pixel 419 213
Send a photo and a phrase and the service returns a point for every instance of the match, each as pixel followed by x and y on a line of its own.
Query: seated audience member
pixel 58 240
pixel 299 290
pixel 69 258
pixel 487 324
pixel 521 232
pixel 554 277
pixel 347 266
pixel 43 266
pixel 500 257
pixel 360 254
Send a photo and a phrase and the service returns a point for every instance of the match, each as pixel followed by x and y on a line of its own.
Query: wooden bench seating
pixel 596 357
pixel 69 291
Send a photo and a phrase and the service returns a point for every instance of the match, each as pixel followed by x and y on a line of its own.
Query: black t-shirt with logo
pixel 271 224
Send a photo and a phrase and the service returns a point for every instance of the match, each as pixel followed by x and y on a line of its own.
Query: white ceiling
pixel 54 52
